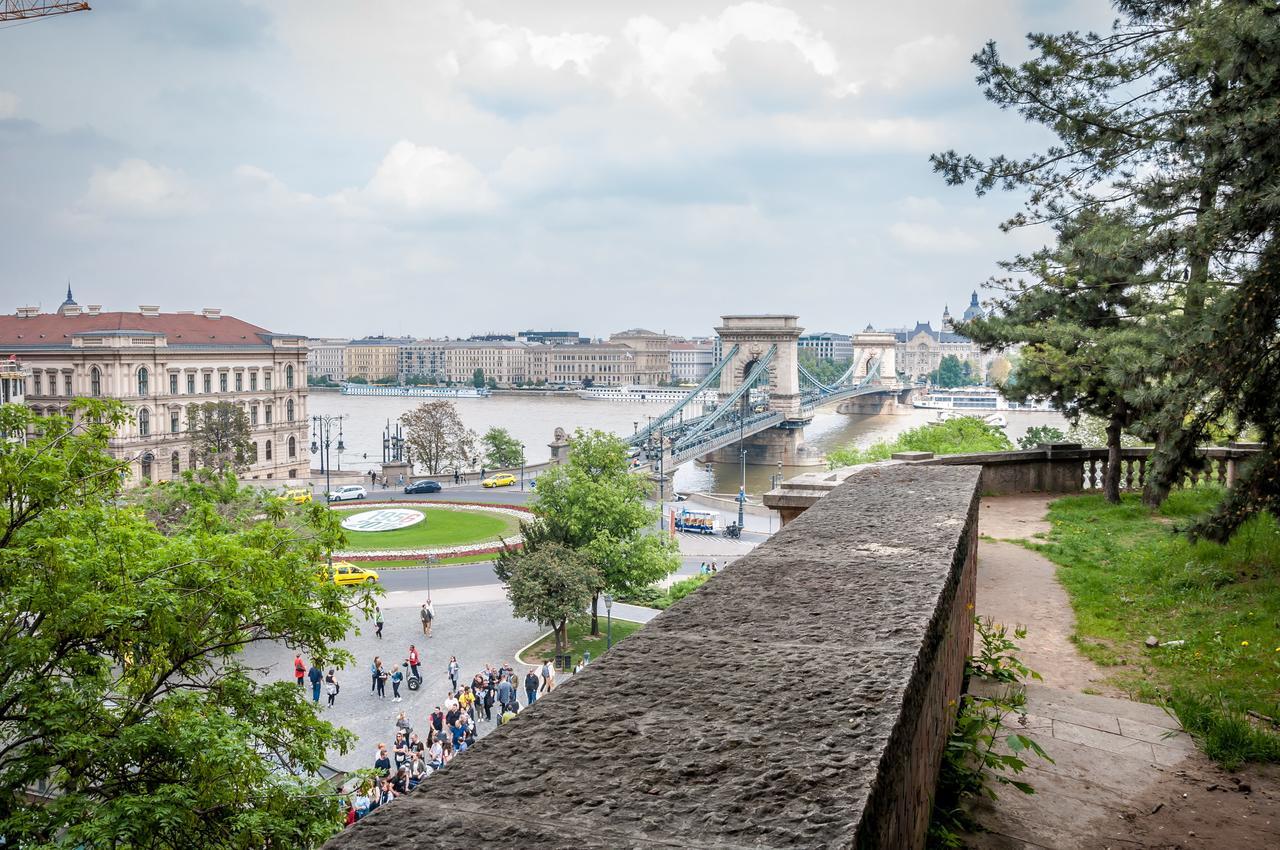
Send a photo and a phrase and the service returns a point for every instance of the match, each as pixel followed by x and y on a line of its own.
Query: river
pixel 534 419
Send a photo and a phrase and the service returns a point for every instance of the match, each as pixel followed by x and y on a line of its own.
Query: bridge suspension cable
pixel 642 436
pixel 753 377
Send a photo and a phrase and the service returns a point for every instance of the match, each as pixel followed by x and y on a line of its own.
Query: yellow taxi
pixel 346 573
pixel 506 479
pixel 297 496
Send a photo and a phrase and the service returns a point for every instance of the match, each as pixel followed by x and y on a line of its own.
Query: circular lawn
pixel 441 527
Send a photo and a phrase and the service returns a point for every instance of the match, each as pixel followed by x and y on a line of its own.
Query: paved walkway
pixel 1123 775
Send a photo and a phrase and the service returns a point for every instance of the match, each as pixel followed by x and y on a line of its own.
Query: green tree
pixel 120 684
pixel 824 369
pixel 1038 434
pixel 951 372
pixel 437 438
pixel 961 435
pixel 549 585
pixel 501 450
pixel 220 436
pixel 1087 327
pixel 593 503
pixel 477 378
pixel 356 379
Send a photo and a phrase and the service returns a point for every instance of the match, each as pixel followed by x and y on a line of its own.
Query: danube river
pixel 534 419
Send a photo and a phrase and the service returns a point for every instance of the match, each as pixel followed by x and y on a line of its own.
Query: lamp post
pixel 608 613
pixel 321 434
pixel 522 467
pixel 742 447
pixel 662 484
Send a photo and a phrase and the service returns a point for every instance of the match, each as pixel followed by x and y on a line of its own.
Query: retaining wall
pixel 800 699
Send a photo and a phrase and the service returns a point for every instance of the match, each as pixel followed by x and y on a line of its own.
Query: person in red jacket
pixel 299 669
pixel 414 660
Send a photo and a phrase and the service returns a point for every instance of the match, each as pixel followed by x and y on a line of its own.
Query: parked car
pixel 297 496
pixel 505 479
pixel 345 573
pixel 423 487
pixel 347 492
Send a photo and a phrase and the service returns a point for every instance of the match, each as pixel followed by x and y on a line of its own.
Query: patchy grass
pixel 580 639
pixel 440 528
pixel 663 598
pixel 1130 574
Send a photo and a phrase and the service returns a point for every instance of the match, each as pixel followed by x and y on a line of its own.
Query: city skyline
pixel 433 169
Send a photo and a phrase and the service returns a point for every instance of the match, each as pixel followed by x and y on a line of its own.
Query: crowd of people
pixel 491 696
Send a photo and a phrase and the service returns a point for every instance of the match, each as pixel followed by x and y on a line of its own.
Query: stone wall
pixel 801 698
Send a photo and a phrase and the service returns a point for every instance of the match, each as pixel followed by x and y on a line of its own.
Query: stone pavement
pixel 1123 775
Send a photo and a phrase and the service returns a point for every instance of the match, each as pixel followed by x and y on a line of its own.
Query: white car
pixel 350 491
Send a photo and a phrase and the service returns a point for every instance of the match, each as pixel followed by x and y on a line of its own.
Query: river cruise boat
pixel 415 392
pixel 640 393
pixel 975 400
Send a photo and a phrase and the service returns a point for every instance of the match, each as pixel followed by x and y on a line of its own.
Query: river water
pixel 533 421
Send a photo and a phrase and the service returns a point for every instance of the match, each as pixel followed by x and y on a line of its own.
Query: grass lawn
pixel 440 528
pixel 580 639
pixel 1130 574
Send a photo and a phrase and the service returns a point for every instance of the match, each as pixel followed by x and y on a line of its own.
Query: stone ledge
pixel 678 737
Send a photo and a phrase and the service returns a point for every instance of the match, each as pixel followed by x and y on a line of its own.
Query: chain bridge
pixel 763 397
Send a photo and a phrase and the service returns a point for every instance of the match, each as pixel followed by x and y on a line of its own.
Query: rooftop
pixel 30 329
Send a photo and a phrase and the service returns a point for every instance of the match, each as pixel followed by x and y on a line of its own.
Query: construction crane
pixel 21 10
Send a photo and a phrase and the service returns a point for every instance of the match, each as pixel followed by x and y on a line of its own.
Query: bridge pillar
pixel 753 335
pixel 768 448
pixel 873 344
pixel 877 404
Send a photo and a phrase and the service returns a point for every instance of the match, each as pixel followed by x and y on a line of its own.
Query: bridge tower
pixel 753 335
pixel 871 344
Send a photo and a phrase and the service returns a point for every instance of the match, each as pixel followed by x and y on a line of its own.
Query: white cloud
pixel 138 188
pixel 8 104
pixel 922 60
pixel 932 239
pixel 422 178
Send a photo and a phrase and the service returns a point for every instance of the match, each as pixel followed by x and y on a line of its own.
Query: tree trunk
pixel 1111 480
pixel 595 617
pixel 561 637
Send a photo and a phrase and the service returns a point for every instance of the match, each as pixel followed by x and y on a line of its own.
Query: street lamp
pixel 608 613
pixel 522 467
pixel 321 433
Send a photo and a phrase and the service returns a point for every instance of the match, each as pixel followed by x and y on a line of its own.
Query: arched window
pixel 175 464
pixel 293 447
pixel 267 449
pixel 95 381
pixel 144 422
pixel 146 468
pixel 288 377
pixel 288 410
pixel 253 452
pixel 143 381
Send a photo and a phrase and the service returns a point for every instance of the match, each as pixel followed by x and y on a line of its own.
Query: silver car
pixel 347 493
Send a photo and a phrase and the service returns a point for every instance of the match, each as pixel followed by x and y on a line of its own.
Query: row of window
pixel 144 382
pixel 175 418
pixel 175 460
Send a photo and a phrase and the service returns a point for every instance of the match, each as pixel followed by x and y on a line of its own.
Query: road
pixel 415 579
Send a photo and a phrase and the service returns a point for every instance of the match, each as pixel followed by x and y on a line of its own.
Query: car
pixel 348 492
pixel 297 496
pixel 505 479
pixel 423 487
pixel 345 574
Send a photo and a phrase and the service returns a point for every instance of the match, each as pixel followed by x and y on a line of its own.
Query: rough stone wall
pixel 798 699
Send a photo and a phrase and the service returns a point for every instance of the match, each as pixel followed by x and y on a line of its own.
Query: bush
pixel 961 435
pixel 655 597
pixel 1038 434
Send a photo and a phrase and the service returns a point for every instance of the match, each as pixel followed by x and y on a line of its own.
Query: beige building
pixel 373 358
pixel 422 359
pixel 158 364
pixel 652 363
pixel 326 358
pixel 502 362
pixel 598 364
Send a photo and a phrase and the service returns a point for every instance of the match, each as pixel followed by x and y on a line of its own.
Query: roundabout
pixel 401 530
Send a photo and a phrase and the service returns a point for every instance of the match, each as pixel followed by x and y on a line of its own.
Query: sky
pixel 434 168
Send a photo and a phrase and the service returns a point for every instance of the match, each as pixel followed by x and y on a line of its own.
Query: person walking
pixel 548 676
pixel 396 678
pixel 299 669
pixel 453 669
pixel 506 694
pixel 414 661
pixel 316 678
pixel 531 683
pixel 331 686
pixel 427 616
pixel 377 622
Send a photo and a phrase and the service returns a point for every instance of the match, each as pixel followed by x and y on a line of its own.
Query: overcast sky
pixel 441 168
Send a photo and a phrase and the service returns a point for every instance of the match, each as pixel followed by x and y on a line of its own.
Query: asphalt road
pixel 465 493
pixel 469 575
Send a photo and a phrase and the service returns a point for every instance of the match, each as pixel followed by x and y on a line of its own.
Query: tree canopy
pixel 952 372
pixel 501 449
pixel 594 503
pixel 437 438
pixel 220 436
pixel 120 629
pixel 550 584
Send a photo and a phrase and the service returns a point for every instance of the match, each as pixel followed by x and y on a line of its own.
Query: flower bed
pixel 488 547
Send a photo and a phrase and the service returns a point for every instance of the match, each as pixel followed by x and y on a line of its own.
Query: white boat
pixel 635 392
pixel 415 392
pixel 975 400
pixel 995 419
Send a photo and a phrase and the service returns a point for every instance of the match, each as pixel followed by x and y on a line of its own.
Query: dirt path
pixel 1123 775
pixel 1018 586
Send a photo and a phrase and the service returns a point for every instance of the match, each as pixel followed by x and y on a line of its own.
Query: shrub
pixel 961 435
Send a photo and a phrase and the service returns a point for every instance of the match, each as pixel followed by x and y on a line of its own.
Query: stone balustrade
pixel 801 698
